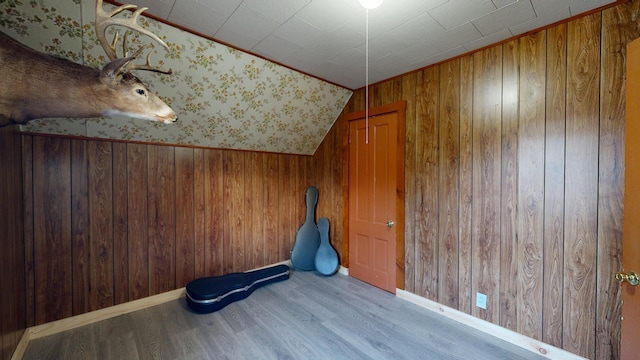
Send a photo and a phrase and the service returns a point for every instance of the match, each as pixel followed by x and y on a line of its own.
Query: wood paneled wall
pixel 12 266
pixel 109 222
pixel 514 179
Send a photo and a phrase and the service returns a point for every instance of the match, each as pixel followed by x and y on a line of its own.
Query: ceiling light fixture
pixel 367 4
pixel 370 4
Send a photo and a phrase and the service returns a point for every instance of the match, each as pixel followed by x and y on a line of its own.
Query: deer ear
pixel 114 68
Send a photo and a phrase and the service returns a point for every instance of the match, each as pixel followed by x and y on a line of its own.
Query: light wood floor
pixel 308 316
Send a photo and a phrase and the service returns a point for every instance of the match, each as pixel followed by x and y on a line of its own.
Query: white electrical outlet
pixel 481 300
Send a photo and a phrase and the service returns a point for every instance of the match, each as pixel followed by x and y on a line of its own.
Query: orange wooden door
pixel 631 233
pixel 372 200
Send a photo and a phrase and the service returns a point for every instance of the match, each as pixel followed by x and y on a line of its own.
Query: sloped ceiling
pixel 225 98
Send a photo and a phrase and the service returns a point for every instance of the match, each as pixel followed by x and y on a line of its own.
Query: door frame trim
pixel 400 109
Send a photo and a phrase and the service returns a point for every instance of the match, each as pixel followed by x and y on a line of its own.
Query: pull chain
pixel 366 81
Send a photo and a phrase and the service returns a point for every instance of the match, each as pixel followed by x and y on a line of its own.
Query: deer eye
pixel 140 91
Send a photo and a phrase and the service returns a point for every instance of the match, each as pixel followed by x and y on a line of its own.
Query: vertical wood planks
pixel 162 225
pixel 580 222
pixel 254 211
pixel 271 206
pixel 13 310
pixel 508 195
pixel 29 231
pixel 296 198
pixel 227 211
pixel 101 248
pixel 116 221
pixel 199 215
pixel 466 184
pixel 138 221
pixel 323 166
pixel 530 225
pixel 426 185
pixel 487 111
pixel 120 224
pixel 555 105
pixel 381 94
pixel 359 99
pixel 235 223
pixel 337 237
pixel 409 94
pixel 80 226
pixel 325 195
pixel 448 201
pixel 285 208
pixel 52 229
pixel 328 162
pixel 186 220
pixel 213 251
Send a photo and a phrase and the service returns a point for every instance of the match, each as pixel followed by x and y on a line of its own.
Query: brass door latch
pixel 630 277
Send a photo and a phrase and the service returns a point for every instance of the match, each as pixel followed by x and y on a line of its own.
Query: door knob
pixel 630 277
pixel 390 223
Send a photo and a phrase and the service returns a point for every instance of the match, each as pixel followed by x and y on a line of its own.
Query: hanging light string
pixel 366 81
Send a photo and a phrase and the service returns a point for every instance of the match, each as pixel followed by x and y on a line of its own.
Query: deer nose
pixel 168 119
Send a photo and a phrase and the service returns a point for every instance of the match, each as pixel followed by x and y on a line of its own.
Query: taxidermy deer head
pixel 35 85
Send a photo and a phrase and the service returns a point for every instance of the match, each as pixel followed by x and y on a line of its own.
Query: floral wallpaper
pixel 224 98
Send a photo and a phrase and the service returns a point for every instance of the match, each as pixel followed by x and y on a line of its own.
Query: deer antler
pixel 136 54
pixel 105 19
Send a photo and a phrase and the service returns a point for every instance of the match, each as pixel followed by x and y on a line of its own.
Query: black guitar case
pixel 206 295
pixel 308 237
pixel 326 257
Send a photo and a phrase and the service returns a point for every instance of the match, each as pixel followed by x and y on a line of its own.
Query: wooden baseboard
pixel 525 342
pixel 73 322
pixel 18 353
pixel 102 314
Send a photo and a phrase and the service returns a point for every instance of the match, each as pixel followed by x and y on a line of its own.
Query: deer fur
pixel 35 85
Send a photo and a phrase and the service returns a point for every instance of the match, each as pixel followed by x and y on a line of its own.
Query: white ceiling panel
pixel 488 40
pixel 551 12
pixel 337 41
pixel 194 15
pixel 327 15
pixel 502 3
pixel 276 48
pixel 421 50
pixel 441 56
pixel 161 8
pixel 511 15
pixel 457 12
pixel 384 45
pixel 246 28
pixel 326 38
pixel 457 36
pixel 278 10
pixel 579 6
pixel 298 32
pixel 418 28
pixel 226 7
